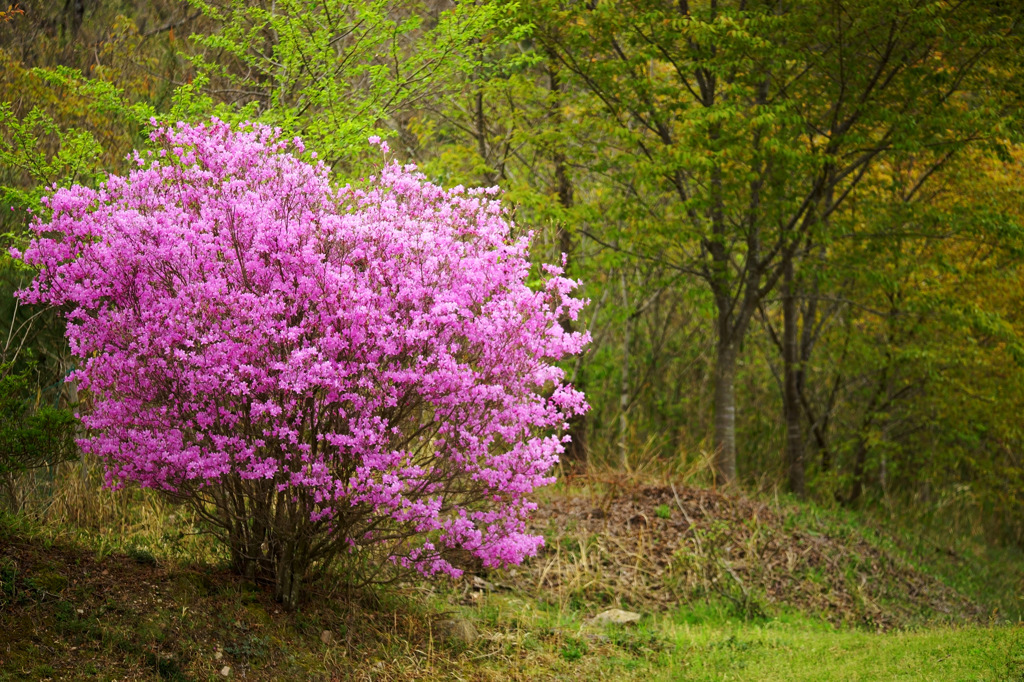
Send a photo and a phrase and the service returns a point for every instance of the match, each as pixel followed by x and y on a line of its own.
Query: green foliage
pixel 30 437
pixel 574 649
pixel 63 130
pixel 22 149
pixel 681 154
pixel 333 72
pixel 249 649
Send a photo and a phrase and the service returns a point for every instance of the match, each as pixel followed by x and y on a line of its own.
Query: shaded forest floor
pixel 725 586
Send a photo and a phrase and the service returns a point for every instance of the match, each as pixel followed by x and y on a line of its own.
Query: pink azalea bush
pixel 356 374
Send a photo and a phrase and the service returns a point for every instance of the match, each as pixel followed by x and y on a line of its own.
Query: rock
pixel 326 636
pixel 482 585
pixel 615 616
pixel 226 671
pixel 459 630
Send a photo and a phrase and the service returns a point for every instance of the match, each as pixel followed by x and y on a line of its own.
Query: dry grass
pixel 653 547
pixel 71 502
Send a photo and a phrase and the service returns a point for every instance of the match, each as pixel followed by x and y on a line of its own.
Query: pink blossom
pixel 373 351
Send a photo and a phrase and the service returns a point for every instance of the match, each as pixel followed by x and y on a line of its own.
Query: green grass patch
pixel 797 648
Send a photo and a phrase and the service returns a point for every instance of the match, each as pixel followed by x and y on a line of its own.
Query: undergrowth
pixel 139 592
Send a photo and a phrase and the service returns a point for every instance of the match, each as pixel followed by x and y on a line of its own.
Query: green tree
pixel 738 128
pixel 917 387
pixel 333 72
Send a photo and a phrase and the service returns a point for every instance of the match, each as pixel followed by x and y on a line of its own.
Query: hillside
pixel 655 547
pixel 723 585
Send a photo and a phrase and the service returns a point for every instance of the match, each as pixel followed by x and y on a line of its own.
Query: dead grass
pixel 652 547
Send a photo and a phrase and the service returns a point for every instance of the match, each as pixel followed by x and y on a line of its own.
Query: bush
pixel 357 374
pixel 30 436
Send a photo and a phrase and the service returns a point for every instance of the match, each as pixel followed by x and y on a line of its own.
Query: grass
pixel 797 648
pixel 988 574
pixel 992 574
pixel 139 596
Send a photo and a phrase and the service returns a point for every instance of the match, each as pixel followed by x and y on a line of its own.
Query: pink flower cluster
pixel 372 347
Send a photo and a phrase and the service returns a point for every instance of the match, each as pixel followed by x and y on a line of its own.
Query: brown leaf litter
pixel 654 547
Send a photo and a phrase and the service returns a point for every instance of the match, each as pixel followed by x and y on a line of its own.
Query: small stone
pixel 226 671
pixel 326 636
pixel 80 611
pixel 615 616
pixel 482 585
pixel 458 629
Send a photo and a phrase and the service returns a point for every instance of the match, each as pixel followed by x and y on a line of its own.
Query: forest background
pixel 798 224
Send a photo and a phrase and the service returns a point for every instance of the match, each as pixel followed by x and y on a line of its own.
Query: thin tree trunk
pixel 791 389
pixel 624 382
pixel 725 413
pixel 576 449
pixel 481 137
pixel 859 463
pixel 288 575
pixel 860 459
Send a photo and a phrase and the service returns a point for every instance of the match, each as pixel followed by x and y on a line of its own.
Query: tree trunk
pixel 725 413
pixel 576 448
pixel 289 575
pixel 861 458
pixel 624 379
pixel 859 464
pixel 727 329
pixel 791 389
pixel 482 146
pixel 268 537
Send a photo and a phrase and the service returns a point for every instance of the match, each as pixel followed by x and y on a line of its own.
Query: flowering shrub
pixel 356 374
